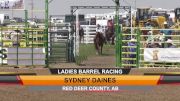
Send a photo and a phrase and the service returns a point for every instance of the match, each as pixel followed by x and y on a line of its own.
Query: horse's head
pixel 99 40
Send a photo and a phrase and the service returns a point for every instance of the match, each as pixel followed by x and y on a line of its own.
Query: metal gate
pixel 22 46
pixel 59 45
pixel 159 48
pixel 129 48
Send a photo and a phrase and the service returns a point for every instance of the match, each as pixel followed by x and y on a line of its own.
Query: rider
pixel 110 25
pixel 132 50
pixel 99 29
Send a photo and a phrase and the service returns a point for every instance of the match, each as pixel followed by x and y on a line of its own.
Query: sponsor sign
pixel 22 56
pixel 3 55
pixel 162 54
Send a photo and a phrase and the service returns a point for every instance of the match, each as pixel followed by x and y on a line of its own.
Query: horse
pixel 110 34
pixel 99 41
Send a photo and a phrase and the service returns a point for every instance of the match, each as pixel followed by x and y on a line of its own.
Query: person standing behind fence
pixel 16 36
pixel 167 32
pixel 132 43
pixel 170 44
pixel 81 34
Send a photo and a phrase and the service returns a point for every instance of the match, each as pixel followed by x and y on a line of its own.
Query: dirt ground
pixel 159 93
pixel 23 93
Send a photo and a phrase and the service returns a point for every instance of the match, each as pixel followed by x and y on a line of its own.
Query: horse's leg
pixel 113 37
pixel 80 39
pixel 106 37
pixel 97 52
pixel 101 48
pixel 96 47
pixel 109 39
pixel 113 41
pixel 83 38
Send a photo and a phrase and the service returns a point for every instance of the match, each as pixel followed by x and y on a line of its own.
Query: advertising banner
pixel 11 4
pixel 3 55
pixel 162 54
pixel 24 56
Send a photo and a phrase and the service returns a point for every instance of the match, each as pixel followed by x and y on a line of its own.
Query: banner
pixel 24 56
pixel 3 55
pixel 94 71
pixel 162 54
pixel 11 4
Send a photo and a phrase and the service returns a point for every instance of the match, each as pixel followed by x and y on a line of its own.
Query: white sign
pixel 102 22
pixel 25 56
pixel 3 55
pixel 162 54
pixel 11 4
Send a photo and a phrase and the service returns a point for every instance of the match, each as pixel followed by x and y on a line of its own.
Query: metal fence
pixel 150 48
pixel 129 48
pixel 160 48
pixel 59 34
pixel 90 32
pixel 22 46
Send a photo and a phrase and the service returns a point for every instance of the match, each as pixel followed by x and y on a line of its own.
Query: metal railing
pixel 150 48
pixel 22 46
pixel 159 48
pixel 129 49
pixel 90 32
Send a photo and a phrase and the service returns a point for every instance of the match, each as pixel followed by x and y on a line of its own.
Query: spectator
pixel 170 22
pixel 150 39
pixel 166 32
pixel 81 34
pixel 132 55
pixel 170 44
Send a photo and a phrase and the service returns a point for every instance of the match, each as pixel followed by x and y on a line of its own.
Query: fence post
pixel 46 31
pixel 138 48
pixel 32 43
pixel 118 38
pixel 17 43
pixel 26 26
pixel 87 34
pixel 1 46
